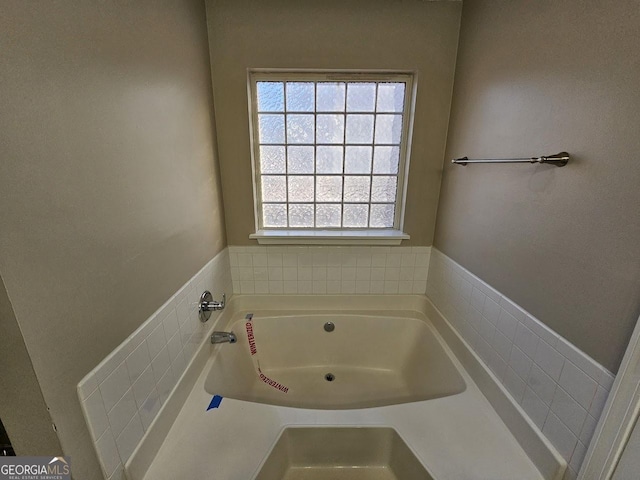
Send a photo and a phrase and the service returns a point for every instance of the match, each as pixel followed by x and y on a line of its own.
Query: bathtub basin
pixel 368 360
pixel 338 453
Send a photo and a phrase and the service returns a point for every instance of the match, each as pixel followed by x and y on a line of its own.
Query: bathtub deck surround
pixel 531 377
pixel 561 389
pixel 460 436
pixel 329 270
pixel 123 395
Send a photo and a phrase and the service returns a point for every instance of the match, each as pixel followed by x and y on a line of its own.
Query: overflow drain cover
pixel 329 327
pixel 329 377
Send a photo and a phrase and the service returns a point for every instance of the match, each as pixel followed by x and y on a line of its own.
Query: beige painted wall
pixel 109 190
pixel 534 78
pixel 353 34
pixel 22 408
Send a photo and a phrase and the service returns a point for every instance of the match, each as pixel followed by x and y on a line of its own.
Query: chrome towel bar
pixel 559 160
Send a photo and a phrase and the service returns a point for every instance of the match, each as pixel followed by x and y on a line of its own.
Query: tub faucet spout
pixel 223 337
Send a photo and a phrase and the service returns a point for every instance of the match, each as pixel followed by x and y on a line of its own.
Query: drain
pixel 329 377
pixel 329 327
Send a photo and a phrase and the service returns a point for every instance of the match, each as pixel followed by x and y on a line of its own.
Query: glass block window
pixel 330 149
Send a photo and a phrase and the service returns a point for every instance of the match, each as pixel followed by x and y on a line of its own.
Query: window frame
pixel 409 78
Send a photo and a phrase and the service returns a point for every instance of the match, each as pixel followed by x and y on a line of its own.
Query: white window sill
pixel 329 237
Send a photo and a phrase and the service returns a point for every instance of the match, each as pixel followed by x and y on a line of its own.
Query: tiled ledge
pixel 122 396
pixel 562 389
pixel 329 270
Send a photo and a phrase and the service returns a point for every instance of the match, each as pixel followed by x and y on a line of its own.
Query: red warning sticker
pixel 273 383
pixel 254 351
pixel 251 338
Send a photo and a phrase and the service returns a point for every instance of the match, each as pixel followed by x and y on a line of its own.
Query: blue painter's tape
pixel 215 402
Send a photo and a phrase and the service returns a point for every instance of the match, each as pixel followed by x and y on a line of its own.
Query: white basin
pixel 368 360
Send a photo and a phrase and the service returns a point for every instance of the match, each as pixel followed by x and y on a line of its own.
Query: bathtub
pixel 394 352
pixel 368 359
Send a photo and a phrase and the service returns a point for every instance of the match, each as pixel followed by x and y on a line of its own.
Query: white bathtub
pixel 369 360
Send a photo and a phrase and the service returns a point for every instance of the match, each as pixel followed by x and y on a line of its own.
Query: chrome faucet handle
pixel 207 304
